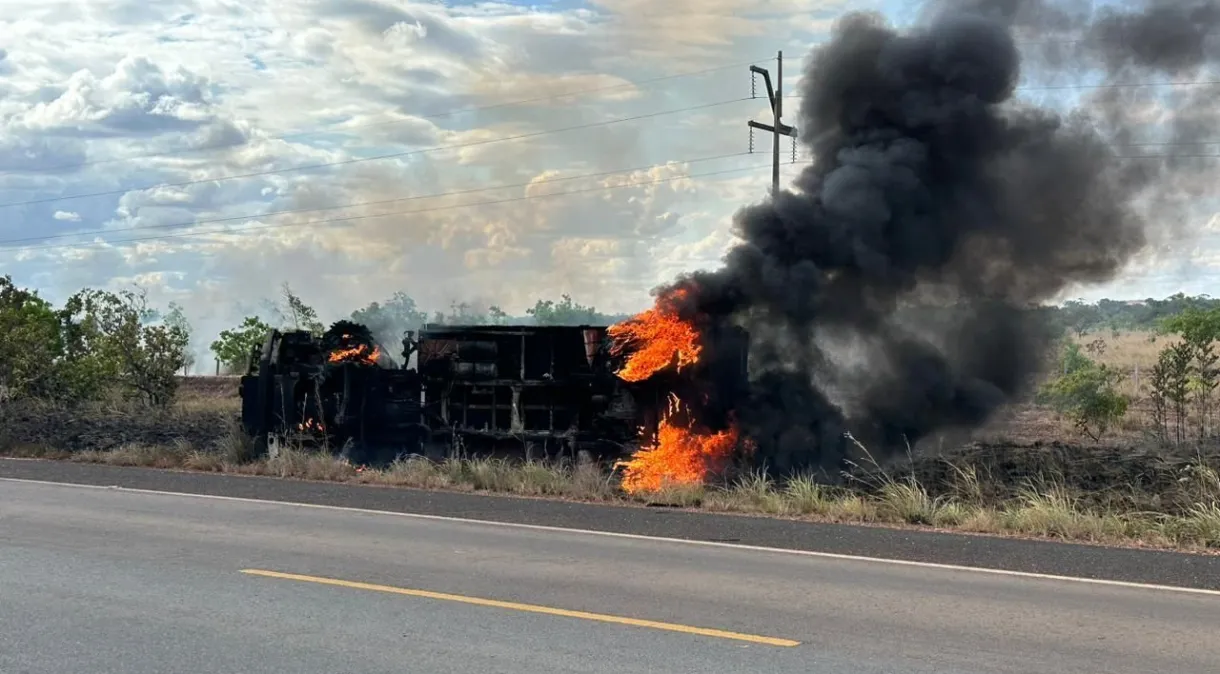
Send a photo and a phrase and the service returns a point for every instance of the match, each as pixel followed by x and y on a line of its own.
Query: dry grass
pixel 1129 350
pixel 1042 508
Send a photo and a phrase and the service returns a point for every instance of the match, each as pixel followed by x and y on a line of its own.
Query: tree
pixel 460 313
pixel 1206 377
pixel 496 315
pixel 111 332
pixel 233 347
pixel 388 320
pixel 300 316
pixel 1079 317
pixel 1160 381
pixel 1085 393
pixel 565 312
pixel 31 351
pixel 1170 382
pixel 88 367
pixel 1196 360
pixel 1194 324
pixel 176 318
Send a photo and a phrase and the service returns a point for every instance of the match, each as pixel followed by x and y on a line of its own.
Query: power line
pixel 393 155
pixel 452 193
pixel 353 218
pixel 1121 85
pixel 437 115
pixel 1166 144
pixel 391 213
pixel 1120 156
pixel 360 204
pixel 1165 156
pixel 1177 144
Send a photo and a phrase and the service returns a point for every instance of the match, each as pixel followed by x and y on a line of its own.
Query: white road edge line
pixel 641 537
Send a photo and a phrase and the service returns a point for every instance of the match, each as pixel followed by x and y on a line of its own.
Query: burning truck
pixel 887 292
pixel 602 393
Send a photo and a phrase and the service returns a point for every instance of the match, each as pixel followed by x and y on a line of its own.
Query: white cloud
pixel 123 97
pixel 110 101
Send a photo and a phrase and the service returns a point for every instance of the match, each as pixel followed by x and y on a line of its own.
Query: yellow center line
pixel 528 608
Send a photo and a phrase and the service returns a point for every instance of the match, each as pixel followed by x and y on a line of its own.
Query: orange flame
pixel 678 455
pixel 357 354
pixel 658 337
pixel 311 425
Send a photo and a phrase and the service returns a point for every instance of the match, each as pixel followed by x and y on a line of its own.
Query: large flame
pixel 678 455
pixel 360 353
pixel 657 338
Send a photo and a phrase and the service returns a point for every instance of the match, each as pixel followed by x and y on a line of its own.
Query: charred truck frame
pixel 482 390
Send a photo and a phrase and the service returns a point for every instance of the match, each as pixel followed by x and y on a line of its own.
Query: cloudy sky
pixel 210 150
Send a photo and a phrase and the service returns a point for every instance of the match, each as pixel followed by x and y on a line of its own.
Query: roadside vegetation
pixel 1183 514
pixel 1119 445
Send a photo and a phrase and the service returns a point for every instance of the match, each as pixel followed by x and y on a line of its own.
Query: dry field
pixel 1133 354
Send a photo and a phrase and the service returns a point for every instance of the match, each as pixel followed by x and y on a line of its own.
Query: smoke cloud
pixel 889 290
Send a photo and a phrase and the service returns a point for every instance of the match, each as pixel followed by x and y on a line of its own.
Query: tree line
pixel 389 319
pixel 1081 317
pixel 103 345
pixel 98 344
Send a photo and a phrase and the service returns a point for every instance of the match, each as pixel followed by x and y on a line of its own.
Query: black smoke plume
pixel 890 291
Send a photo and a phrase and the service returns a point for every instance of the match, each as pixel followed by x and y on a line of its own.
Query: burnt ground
pixel 1130 475
pixel 1155 479
pixel 206 415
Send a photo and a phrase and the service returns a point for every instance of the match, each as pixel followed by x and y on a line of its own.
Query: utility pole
pixel 776 94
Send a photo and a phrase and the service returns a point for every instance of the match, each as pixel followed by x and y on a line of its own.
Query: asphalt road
pixel 1031 556
pixel 101 581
